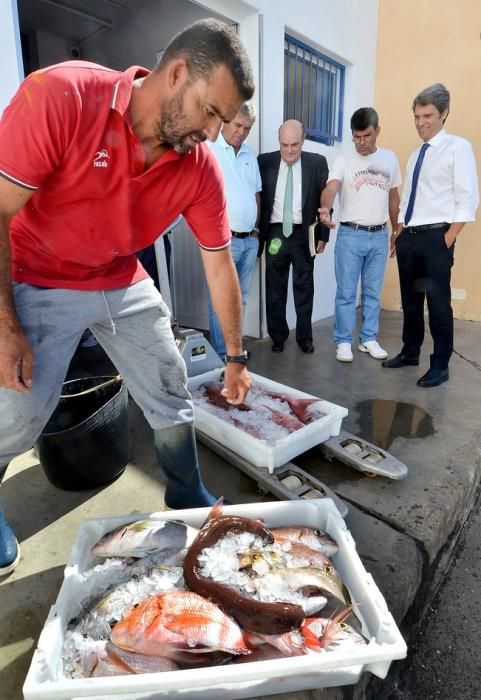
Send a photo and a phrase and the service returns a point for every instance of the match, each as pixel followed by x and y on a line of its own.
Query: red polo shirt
pixel 66 136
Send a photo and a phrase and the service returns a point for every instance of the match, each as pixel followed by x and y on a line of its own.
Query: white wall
pixel 347 31
pixel 11 71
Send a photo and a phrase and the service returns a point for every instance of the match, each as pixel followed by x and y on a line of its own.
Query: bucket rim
pixel 104 379
pixel 121 388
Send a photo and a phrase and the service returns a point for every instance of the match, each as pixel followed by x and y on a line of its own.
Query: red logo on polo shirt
pixel 100 159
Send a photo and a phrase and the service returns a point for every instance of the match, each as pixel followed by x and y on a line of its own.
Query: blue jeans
pixel 244 255
pixel 358 254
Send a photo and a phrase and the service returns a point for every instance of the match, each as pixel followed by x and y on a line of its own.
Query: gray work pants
pixel 133 326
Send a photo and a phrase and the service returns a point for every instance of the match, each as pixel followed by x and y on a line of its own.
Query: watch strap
pixel 242 359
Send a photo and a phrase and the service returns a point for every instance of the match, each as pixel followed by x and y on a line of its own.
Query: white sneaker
pixel 344 352
pixel 374 349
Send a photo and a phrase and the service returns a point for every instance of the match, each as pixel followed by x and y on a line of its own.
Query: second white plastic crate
pixel 260 452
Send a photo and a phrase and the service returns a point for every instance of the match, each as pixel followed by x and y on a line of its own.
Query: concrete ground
pixel 404 530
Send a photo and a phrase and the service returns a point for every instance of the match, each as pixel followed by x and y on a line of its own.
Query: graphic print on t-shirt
pixel 372 176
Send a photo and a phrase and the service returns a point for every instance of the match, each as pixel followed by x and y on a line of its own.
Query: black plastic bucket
pixel 86 442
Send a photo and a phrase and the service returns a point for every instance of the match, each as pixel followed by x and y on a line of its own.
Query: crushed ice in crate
pixel 80 654
pixel 221 562
pixel 86 633
pixel 259 421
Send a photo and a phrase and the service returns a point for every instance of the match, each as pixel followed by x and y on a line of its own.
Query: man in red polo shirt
pixel 94 163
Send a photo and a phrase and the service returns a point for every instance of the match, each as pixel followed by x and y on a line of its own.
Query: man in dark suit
pixel 292 182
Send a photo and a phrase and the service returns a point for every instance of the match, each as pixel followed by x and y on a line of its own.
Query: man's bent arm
pixel 16 355
pixel 258 204
pixel 227 301
pixel 394 202
pixel 327 200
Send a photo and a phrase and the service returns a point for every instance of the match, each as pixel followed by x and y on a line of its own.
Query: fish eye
pixel 343 626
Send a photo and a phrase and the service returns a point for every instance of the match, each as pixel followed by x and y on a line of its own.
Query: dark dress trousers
pixel 424 263
pixel 283 252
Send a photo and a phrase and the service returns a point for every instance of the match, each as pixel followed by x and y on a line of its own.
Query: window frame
pixel 333 112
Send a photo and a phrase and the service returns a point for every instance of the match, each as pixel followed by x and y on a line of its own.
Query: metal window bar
pixel 310 74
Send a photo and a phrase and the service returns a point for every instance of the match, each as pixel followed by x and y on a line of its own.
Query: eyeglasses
pixel 361 139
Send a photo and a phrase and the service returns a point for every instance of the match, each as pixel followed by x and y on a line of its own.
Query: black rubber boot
pixel 177 454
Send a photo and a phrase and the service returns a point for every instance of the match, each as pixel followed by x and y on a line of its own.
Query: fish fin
pixel 311 640
pixel 216 509
pixel 330 628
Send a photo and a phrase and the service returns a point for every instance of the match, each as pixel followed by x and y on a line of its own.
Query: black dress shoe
pixel 306 345
pixel 401 361
pixel 433 377
pixel 277 346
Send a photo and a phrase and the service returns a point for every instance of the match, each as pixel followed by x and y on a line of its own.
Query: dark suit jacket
pixel 314 177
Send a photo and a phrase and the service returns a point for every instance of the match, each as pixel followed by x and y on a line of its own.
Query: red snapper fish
pixel 298 406
pixel 315 539
pixel 171 623
pixel 322 634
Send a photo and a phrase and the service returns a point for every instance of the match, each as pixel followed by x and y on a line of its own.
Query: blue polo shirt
pixel 242 180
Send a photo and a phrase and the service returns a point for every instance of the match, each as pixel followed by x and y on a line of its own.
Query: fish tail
pixel 216 510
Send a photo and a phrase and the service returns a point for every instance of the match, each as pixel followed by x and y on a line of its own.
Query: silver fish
pixel 101 615
pixel 307 580
pixel 115 661
pixel 143 537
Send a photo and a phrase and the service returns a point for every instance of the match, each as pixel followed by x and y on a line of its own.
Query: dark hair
pixel 207 44
pixel 436 95
pixel 363 118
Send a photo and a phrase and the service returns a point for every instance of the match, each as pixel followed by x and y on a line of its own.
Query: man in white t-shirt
pixel 366 180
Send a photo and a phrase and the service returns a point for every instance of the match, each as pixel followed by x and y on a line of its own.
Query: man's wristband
pixel 241 359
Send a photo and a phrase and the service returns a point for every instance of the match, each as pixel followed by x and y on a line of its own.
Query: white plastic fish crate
pixel 248 680
pixel 260 452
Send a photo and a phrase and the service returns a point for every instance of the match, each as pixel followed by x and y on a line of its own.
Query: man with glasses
pixel 366 180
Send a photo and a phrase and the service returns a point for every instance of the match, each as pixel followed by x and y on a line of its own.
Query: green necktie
pixel 287 210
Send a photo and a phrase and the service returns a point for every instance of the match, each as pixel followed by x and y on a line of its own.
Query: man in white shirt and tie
pixel 440 195
pixel 292 182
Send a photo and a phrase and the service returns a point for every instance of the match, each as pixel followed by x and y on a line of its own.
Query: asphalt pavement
pixel 444 659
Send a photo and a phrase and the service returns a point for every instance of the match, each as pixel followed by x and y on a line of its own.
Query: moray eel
pixel 251 614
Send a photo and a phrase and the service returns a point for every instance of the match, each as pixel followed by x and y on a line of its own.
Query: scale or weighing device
pixel 287 482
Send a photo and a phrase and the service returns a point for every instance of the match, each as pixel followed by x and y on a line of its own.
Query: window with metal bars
pixel 313 91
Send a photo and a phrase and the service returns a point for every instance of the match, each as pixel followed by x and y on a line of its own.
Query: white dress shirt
pixel 448 183
pixel 278 206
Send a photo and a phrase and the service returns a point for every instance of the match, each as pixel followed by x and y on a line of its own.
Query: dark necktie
pixel 287 209
pixel 414 184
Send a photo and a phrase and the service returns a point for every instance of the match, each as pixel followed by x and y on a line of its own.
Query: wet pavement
pixel 381 421
pixel 405 531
